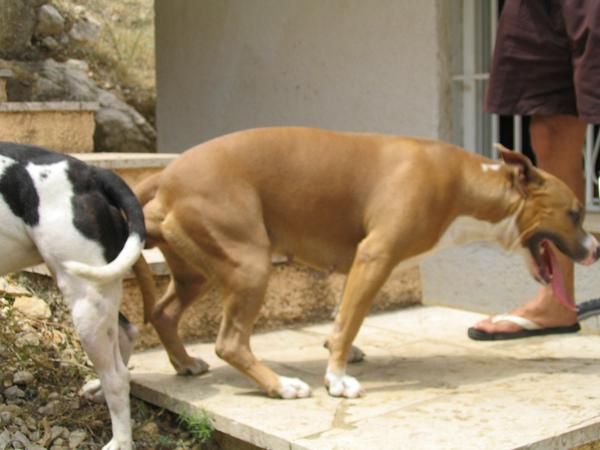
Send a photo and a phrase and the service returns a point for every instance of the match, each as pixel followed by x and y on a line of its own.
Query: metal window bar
pixel 590 155
pixel 478 131
pixel 494 119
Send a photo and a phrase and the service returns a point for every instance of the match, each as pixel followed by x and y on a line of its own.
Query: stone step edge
pixel 126 160
pixel 154 258
pixel 19 107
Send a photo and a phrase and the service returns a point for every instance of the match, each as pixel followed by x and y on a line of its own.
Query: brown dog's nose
pixel 593 250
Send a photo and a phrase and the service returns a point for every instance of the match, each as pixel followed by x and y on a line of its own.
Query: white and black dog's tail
pixel 118 194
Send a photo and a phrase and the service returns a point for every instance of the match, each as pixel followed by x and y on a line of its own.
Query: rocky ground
pixel 43 368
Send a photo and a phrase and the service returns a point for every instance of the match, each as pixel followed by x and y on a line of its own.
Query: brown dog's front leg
pixel 355 355
pixel 370 269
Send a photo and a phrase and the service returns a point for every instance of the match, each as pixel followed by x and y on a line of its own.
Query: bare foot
pixel 543 309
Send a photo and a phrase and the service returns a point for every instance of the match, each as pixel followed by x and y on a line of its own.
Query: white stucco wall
pixel 363 65
pixel 481 277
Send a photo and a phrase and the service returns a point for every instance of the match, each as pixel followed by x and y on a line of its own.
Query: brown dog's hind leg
pixel 229 244
pixel 244 291
pixel 183 290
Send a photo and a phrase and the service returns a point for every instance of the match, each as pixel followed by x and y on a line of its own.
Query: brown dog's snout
pixel 597 253
pixel 593 248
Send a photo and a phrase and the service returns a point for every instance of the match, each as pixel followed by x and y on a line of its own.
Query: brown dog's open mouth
pixel 547 271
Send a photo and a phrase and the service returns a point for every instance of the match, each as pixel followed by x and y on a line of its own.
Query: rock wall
pixel 17 25
pixel 32 34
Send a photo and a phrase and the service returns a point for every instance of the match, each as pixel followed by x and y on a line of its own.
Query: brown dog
pixel 351 203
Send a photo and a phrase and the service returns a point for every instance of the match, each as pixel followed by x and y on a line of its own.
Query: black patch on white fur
pixel 16 186
pixel 99 197
pixel 18 191
pixel 96 219
pixel 94 214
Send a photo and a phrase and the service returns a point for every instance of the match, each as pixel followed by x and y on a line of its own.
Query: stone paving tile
pixel 427 386
pixel 502 415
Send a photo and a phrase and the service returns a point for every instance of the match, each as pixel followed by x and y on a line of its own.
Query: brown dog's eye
pixel 574 215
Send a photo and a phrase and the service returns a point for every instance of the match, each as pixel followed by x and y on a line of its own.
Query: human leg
pixel 557 142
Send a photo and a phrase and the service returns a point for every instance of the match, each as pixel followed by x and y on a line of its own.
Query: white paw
pixel 92 390
pixel 115 445
pixel 342 385
pixel 293 388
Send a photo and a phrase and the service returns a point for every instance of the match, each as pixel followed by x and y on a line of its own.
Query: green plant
pixel 165 442
pixel 198 424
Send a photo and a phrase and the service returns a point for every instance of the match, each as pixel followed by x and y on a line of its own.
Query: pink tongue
pixel 557 283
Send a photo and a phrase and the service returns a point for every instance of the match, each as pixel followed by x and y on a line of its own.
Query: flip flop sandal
pixel 528 329
pixel 587 309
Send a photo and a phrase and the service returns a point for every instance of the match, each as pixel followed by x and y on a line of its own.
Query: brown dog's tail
pixel 145 191
pixel 145 280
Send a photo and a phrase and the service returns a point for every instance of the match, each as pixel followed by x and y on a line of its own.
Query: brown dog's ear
pixel 525 174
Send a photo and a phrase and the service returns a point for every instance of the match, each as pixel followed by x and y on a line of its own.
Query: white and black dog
pixel 87 226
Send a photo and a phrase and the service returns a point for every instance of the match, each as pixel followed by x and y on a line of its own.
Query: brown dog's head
pixel 550 213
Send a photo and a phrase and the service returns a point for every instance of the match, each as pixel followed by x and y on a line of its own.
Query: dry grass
pixel 122 59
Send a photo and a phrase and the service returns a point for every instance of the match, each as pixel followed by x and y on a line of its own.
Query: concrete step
pixel 132 167
pixel 65 127
pixel 427 387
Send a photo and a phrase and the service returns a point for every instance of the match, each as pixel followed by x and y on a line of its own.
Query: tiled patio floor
pixel 427 387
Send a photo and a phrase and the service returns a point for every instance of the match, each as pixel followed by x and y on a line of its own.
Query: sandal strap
pixel 524 323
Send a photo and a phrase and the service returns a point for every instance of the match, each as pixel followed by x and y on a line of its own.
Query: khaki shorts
pixel 547 59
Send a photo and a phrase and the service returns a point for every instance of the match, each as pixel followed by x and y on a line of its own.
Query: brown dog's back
pixel 292 181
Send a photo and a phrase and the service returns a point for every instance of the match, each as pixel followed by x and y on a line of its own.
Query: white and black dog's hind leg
pixel 88 227
pixel 92 390
pixel 94 310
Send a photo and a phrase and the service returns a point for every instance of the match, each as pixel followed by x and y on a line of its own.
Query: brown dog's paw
pixel 356 355
pixel 195 366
